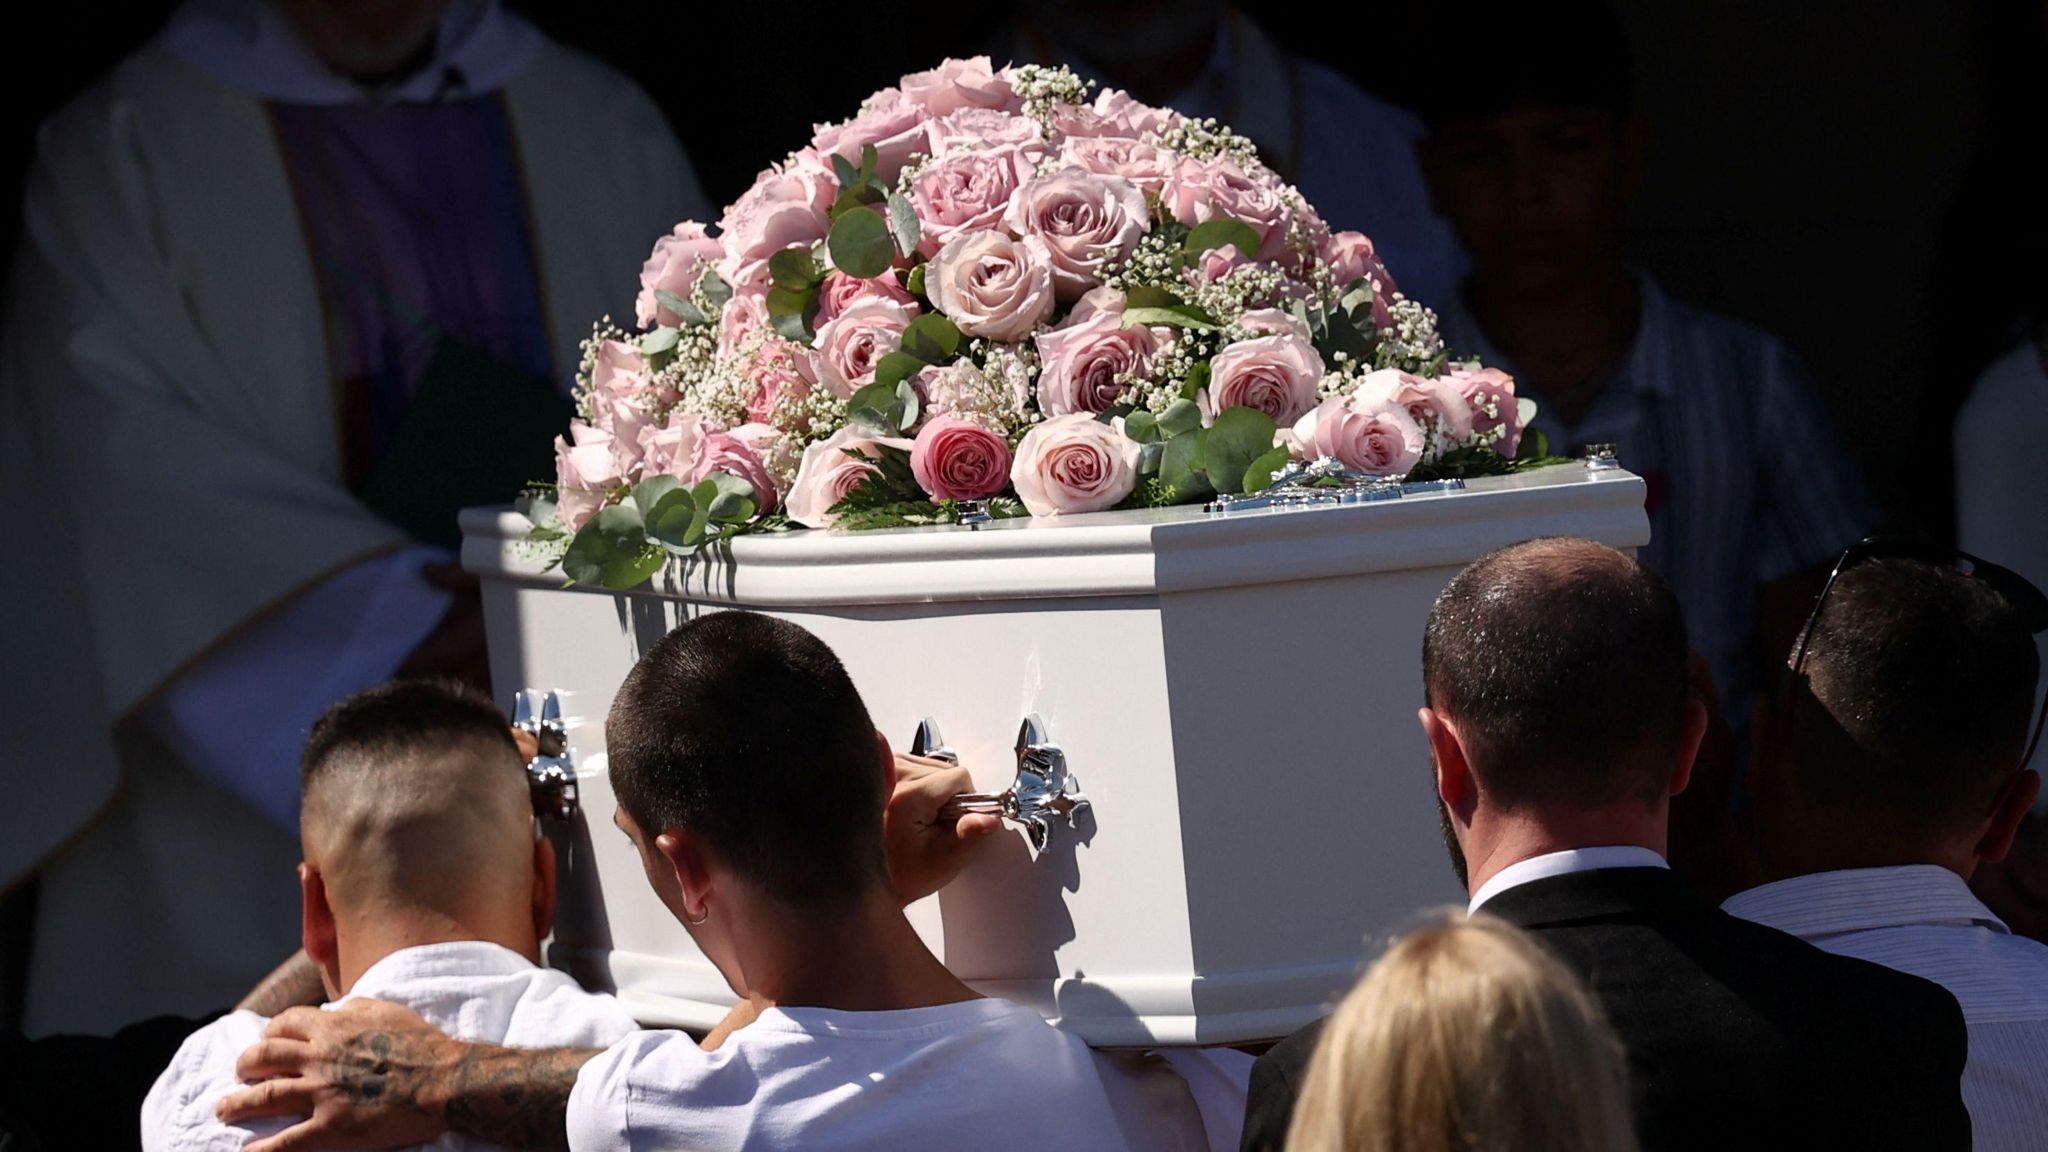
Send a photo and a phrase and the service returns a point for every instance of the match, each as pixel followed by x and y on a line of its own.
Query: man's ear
pixel 689 861
pixel 1455 785
pixel 1690 736
pixel 2010 807
pixel 544 888
pixel 316 929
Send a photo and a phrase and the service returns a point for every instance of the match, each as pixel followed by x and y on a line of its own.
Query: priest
pixel 292 279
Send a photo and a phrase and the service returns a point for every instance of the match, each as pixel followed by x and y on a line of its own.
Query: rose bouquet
pixel 992 289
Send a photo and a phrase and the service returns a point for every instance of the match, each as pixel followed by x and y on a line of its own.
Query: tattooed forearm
pixel 296 982
pixel 518 1097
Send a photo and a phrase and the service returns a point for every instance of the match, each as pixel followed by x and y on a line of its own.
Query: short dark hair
pixel 1506 55
pixel 403 719
pixel 1563 664
pixel 747 731
pixel 1922 684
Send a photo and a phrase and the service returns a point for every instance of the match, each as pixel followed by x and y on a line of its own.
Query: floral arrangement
pixel 994 290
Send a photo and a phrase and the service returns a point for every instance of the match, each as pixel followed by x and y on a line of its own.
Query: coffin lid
pixel 1138 552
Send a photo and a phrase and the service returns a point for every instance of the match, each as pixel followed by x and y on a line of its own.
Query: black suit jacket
pixel 1738 1035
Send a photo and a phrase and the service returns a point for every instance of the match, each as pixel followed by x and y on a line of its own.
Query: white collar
pixel 248 46
pixel 1861 899
pixel 1563 864
pixel 462 958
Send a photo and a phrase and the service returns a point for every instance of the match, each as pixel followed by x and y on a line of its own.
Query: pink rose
pixel 745 315
pixel 1086 221
pixel 984 128
pixel 992 286
pixel 1074 463
pixel 895 126
pixel 1490 394
pixel 1380 439
pixel 962 389
pixel 784 209
pixel 621 370
pixel 1131 116
pixel 1275 374
pixel 668 450
pixel 966 192
pixel 854 342
pixel 1140 163
pixel 1087 364
pixel 1437 402
pixel 774 448
pixel 776 370
pixel 955 459
pixel 957 84
pixel 677 263
pixel 1351 258
pixel 840 290
pixel 583 474
pixel 827 474
pixel 727 453
pixel 1206 190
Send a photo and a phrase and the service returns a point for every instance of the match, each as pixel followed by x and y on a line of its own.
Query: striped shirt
pixel 1922 919
pixel 1745 481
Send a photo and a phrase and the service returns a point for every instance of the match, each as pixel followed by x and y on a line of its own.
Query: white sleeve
pixel 239 716
pixel 177 1115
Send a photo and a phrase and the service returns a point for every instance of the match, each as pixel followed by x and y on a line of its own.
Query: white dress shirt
pixel 470 990
pixel 1922 919
pixel 1563 864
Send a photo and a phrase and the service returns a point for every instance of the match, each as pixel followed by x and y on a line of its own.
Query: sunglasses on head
pixel 2016 590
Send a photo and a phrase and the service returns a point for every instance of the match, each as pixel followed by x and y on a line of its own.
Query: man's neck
pixel 1566 340
pixel 1499 842
pixel 364 941
pixel 863 959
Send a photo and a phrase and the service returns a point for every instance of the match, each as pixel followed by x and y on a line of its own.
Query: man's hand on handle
pixel 926 850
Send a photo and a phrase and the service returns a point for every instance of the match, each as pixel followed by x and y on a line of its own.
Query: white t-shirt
pixel 983 1074
pixel 470 990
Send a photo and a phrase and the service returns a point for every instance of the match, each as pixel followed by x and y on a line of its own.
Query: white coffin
pixel 1236 696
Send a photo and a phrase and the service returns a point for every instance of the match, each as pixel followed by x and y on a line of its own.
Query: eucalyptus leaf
pixel 897 367
pixel 1180 468
pixel 1149 456
pixel 670 520
pixel 1237 438
pixel 612 550
pixel 880 407
pixel 914 282
pixel 912 404
pixel 1220 231
pixel 795 269
pixel 903 224
pixel 683 309
pixel 1259 476
pixel 843 169
pixel 870 160
pixel 1180 418
pixel 861 245
pixel 932 338
pixel 648 493
pixel 794 328
pixel 1198 379
pixel 714 288
pixel 856 198
pixel 1142 426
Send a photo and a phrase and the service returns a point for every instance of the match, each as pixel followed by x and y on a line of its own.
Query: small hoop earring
pixel 700 919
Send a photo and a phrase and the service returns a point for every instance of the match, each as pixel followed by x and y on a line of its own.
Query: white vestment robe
pixel 172 462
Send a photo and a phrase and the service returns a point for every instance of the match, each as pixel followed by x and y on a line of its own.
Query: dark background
pixel 1859 177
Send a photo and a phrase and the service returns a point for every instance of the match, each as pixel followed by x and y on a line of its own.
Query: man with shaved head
pixel 1560 723
pixel 423 883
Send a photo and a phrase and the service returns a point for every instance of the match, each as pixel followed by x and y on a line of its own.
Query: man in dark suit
pixel 1560 722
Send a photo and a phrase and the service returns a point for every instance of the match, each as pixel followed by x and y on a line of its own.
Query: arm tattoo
pixel 294 983
pixel 517 1097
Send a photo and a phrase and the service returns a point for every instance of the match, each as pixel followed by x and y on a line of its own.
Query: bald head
pixel 412 796
pixel 1563 665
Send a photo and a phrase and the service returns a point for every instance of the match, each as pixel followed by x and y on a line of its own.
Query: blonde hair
pixel 1466 1037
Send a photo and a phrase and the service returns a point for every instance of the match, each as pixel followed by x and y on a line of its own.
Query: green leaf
pixel 1198 379
pixel 861 245
pixel 612 550
pixel 670 520
pixel 1237 438
pixel 792 312
pixel 713 288
pixel 1150 296
pixel 914 282
pixel 843 169
pixel 869 161
pixel 906 394
pixel 683 309
pixel 897 367
pixel 1180 468
pixel 1143 427
pixel 1180 418
pixel 860 196
pixel 887 409
pixel 660 340
pixel 903 224
pixel 932 338
pixel 648 493
pixel 1178 316
pixel 1220 231
pixel 732 498
pixel 1259 476
pixel 1149 456
pixel 793 268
